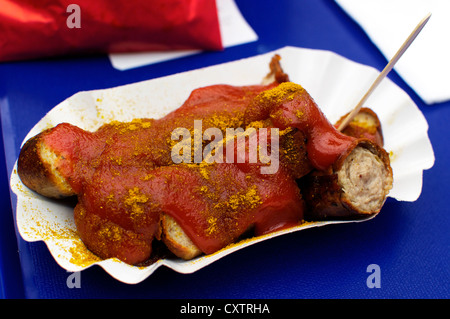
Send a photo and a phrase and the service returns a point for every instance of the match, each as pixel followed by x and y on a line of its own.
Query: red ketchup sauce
pixel 289 105
pixel 125 178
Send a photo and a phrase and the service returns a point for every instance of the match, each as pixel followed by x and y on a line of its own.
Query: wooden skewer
pixel 385 71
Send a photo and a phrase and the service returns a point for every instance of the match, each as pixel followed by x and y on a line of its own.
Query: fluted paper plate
pixel 335 83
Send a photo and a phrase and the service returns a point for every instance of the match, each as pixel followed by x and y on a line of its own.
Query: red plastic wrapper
pixel 32 29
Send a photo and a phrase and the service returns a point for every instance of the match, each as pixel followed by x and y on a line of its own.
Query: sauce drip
pixel 289 105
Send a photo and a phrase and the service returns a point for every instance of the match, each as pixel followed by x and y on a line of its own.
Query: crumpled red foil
pixel 32 29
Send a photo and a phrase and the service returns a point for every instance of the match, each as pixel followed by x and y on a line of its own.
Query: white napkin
pixel 425 66
pixel 234 30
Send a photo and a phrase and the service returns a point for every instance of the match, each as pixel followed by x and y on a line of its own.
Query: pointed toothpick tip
pixel 385 71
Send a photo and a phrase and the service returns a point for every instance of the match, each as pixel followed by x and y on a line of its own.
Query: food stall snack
pixel 131 192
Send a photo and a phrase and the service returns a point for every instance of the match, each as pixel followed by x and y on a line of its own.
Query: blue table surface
pixel 408 241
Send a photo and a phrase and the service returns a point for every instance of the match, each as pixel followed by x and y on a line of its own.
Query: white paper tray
pixel 335 83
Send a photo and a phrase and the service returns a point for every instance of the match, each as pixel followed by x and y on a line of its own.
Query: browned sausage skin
pixel 358 182
pixel 356 185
